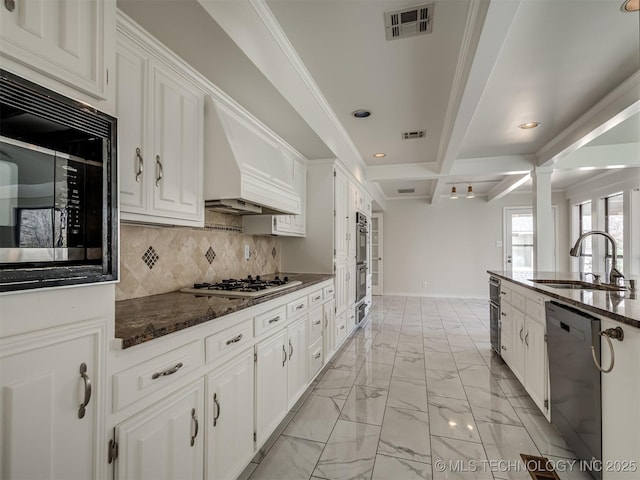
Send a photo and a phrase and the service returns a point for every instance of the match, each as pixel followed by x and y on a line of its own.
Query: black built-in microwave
pixel 58 195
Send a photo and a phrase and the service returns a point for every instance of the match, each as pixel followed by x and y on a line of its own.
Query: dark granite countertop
pixel 139 320
pixel 623 306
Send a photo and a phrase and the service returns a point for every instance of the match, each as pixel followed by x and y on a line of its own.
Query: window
pixel 614 226
pixel 586 254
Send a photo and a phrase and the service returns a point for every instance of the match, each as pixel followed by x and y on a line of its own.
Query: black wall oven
pixel 58 194
pixel 361 238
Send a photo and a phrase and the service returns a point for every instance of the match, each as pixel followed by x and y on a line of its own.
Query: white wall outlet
pixel 247 252
pixel 424 284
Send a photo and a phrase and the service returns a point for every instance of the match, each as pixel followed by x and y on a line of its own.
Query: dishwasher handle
pixel 615 333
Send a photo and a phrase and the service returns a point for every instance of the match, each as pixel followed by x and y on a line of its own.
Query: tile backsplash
pixel 156 259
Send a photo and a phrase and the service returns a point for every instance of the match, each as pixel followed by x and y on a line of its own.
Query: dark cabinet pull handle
pixel 521 339
pixel 194 419
pixel 318 297
pixel 140 164
pixel 317 356
pixel 275 319
pixel 284 355
pixel 290 349
pixel 503 314
pixel 10 5
pixel 160 171
pixel 300 306
pixel 87 390
pixel 526 339
pixel 217 404
pixel 169 371
pixel 318 322
pixel 234 339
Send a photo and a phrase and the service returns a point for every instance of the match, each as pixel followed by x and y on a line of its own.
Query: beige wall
pixel 182 260
pixel 451 245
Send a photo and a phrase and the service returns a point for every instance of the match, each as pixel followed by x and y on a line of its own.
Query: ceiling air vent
pixel 408 22
pixel 406 190
pixel 413 134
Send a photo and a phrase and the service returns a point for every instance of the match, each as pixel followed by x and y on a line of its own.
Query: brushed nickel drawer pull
pixel 290 349
pixel 159 169
pixel 318 322
pixel 301 306
pixel 341 327
pixel 169 371
pixel 217 405
pixel 234 339
pixel 317 298
pixel 316 356
pixel 275 319
pixel 284 355
pixel 140 164
pixel 87 390
pixel 194 420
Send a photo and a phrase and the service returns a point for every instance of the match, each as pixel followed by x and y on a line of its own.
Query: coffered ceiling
pixel 303 67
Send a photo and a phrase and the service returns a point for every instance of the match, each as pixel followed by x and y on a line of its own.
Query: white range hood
pixel 246 170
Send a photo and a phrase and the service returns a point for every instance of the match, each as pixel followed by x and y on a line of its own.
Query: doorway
pixel 518 239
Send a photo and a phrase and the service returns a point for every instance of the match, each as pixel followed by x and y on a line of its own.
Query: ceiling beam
pixel 472 74
pixel 616 107
pixel 506 186
pixel 602 156
pixel 470 167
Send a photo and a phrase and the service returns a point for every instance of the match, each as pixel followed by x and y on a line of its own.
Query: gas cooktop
pixel 246 287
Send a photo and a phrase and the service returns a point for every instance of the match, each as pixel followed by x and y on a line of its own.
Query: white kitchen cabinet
pixel 351 221
pixel 271 384
pixel 352 279
pixel 329 332
pixel 45 377
pixel 342 282
pixel 341 214
pixel 229 419
pixel 340 326
pixel 296 361
pixel 282 225
pixel 166 440
pixel 524 347
pixel 64 40
pixel 161 115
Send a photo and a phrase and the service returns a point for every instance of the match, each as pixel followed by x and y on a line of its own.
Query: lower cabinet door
pixel 230 418
pixel 536 376
pixel 44 432
pixel 271 384
pixel 297 360
pixel 166 441
pixel 519 348
pixel 329 332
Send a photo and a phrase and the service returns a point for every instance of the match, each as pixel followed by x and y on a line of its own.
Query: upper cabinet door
pixel 61 39
pixel 132 105
pixel 341 215
pixel 177 154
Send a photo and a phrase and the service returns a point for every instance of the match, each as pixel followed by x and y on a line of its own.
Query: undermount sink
pixel 576 285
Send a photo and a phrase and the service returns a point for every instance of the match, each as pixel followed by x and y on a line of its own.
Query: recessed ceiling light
pixel 361 113
pixel 528 125
pixel 631 6
pixel 379 155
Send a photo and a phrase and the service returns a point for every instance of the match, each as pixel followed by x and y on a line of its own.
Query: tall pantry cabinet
pixel 329 245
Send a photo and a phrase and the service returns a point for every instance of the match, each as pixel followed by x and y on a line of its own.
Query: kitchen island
pixel 524 338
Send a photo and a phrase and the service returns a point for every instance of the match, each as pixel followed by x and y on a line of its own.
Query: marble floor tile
pixel 381 355
pixel 335 384
pixel 436 344
pixel 475 375
pixel 408 367
pixel 568 469
pixel 291 458
pixel 273 438
pixel 498 368
pixel 450 417
pixel 504 444
pixel 392 468
pixel 350 452
pixel 491 405
pixel 385 340
pixel 459 459
pixel 444 384
pixel 410 338
pixel 516 394
pixel 440 361
pixel 348 360
pixel 468 356
pixel 315 419
pixel 544 434
pixel 410 350
pixel 408 393
pixel 374 375
pixel 405 434
pixel 365 404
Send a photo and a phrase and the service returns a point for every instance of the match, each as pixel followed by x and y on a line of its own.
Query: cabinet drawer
pixel 270 320
pixel 228 340
pixel 535 309
pixel 298 307
pixel 314 329
pixel 315 359
pixel 518 301
pixel 315 298
pixel 328 292
pixel 137 382
pixel 505 294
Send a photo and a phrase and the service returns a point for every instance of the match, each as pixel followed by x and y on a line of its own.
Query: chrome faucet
pixel 613 274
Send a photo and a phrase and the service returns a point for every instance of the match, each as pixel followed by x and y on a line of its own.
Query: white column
pixel 631 231
pixel 543 225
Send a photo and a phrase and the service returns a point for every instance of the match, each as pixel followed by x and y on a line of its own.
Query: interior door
pixel 376 254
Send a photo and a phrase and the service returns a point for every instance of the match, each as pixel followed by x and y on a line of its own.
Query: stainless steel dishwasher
pixel 575 380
